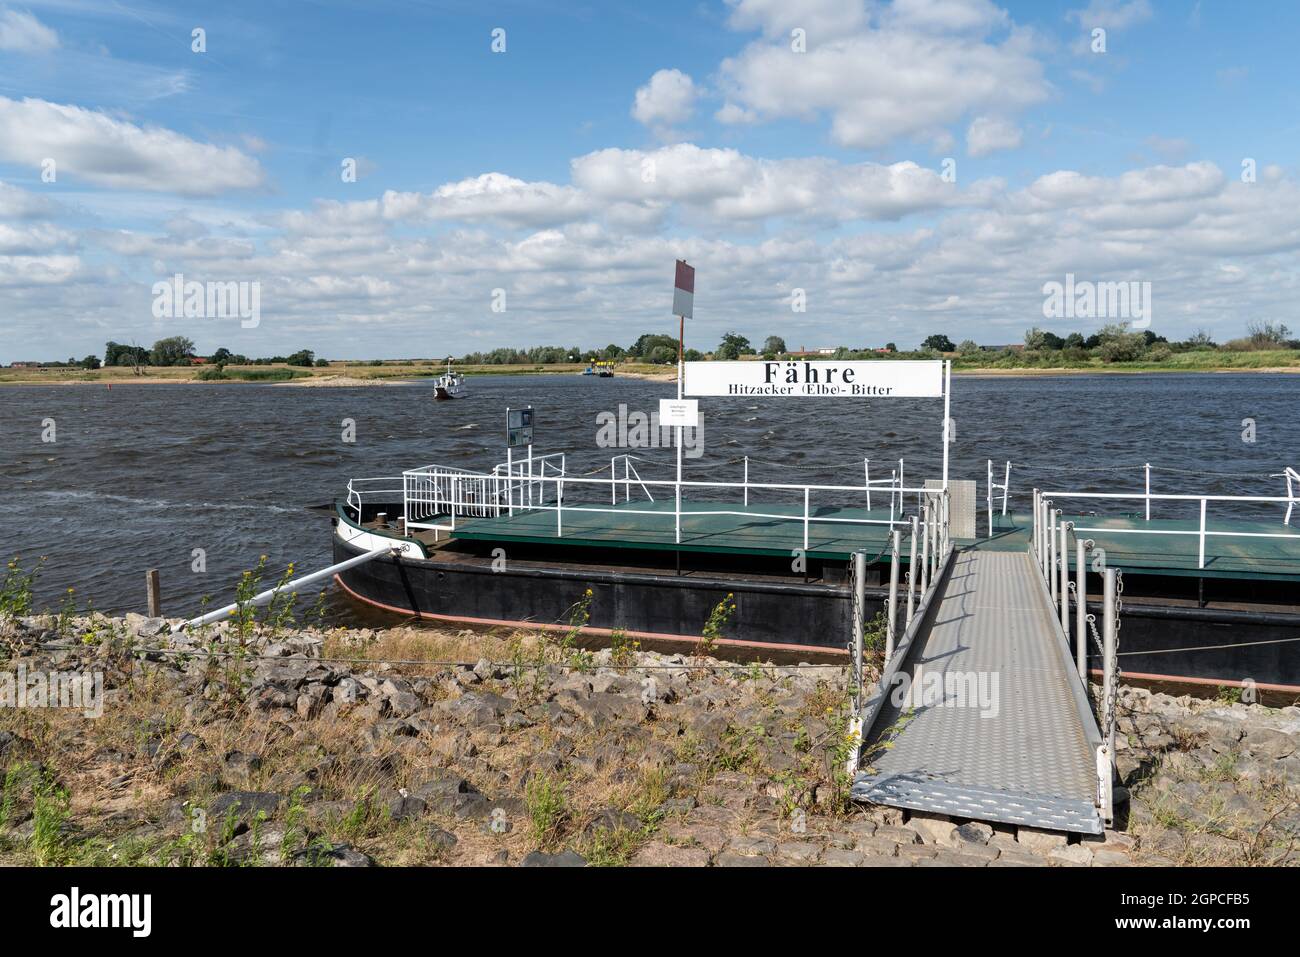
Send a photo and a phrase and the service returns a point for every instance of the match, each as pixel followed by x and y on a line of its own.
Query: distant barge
pixel 1205 602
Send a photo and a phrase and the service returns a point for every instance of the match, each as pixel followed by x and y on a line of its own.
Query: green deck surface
pixel 749 534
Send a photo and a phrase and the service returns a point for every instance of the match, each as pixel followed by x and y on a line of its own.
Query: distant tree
pixel 612 351
pixel 303 357
pixel 650 341
pixel 90 362
pixel 1120 345
pixel 172 351
pixel 890 347
pixel 322 363
pixel 733 346
pixel 663 355
pixel 1074 341
pixel 774 345
pixel 1200 339
pixel 221 356
pixel 939 343
pixel 693 355
pixel 968 347
pixel 1267 335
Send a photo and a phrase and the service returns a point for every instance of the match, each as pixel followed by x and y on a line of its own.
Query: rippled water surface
pixel 141 475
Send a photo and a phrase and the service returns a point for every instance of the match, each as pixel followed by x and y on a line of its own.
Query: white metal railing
pixel 1049 548
pixel 1202 532
pixel 435 490
pixel 630 475
pixel 385 488
pixel 927 558
pixel 993 487
pixel 522 486
pixel 1288 474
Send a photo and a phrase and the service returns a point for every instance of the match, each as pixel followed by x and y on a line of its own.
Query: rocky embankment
pixel 346 748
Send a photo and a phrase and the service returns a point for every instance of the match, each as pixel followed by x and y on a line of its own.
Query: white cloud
pixel 23 33
pixel 17 203
pixel 988 134
pixel 667 100
pixel 919 66
pixel 1111 14
pixel 111 152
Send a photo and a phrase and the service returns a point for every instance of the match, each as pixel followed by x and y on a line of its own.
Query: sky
pixel 424 179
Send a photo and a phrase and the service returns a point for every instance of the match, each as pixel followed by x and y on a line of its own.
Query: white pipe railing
pixel 1202 532
pixel 435 491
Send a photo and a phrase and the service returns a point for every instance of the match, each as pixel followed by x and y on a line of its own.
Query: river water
pixel 140 476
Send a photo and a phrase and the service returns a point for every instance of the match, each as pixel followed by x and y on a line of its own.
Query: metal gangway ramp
pixel 1005 732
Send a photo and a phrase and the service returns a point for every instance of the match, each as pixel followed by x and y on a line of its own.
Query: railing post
pixel 1148 471
pixel 746 481
pixel 1065 579
pixel 989 496
pixel 891 626
pixel 1034 533
pixel 859 623
pixel 805 519
pixel 1081 608
pixel 1051 552
pixel 1006 487
pixel 1109 634
pixel 926 526
pixel 1200 561
pixel 911 573
pixel 613 480
pixel 559 507
pixel 866 480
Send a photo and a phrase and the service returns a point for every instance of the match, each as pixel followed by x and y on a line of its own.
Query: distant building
pixel 198 361
pixel 25 365
pixel 805 353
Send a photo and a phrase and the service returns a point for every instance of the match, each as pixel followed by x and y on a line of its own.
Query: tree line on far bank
pixel 1111 343
pixel 179 351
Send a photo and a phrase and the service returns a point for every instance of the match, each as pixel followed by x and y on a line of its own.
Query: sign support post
pixel 947 419
pixel 683 306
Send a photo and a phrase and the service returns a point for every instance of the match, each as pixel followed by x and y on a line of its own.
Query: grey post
pixel 1038 548
pixel 925 548
pixel 911 575
pixel 1108 655
pixel 1081 608
pixel 891 629
pixel 859 623
pixel 153 593
pixel 1051 553
pixel 1065 578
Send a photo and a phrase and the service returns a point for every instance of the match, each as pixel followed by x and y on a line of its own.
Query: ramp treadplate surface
pixel 999 735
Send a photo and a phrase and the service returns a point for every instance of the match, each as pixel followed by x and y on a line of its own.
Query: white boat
pixel 449 385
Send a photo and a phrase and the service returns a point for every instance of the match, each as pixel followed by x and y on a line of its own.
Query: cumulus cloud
pixel 727 186
pixel 861 68
pixel 23 33
pixel 1111 14
pixel 667 100
pixel 988 134
pixel 112 152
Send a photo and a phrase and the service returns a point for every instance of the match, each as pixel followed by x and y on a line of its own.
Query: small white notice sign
pixel 683 412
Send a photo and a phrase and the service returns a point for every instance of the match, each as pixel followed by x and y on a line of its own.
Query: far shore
pixel 360 375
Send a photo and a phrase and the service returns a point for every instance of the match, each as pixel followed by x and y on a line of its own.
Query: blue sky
pixel 773 169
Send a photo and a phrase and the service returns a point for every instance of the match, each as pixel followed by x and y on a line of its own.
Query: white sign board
pixel 866 379
pixel 684 412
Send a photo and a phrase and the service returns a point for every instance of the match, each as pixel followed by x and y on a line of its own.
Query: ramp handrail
pixel 1050 549
pixel 933 526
